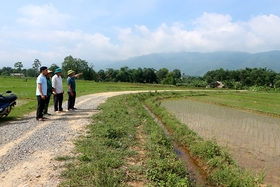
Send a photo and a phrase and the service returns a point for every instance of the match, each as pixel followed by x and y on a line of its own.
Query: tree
pixel 101 76
pixel 111 74
pixel 69 63
pixel 89 73
pixel 138 75
pixel 177 74
pixel 169 79
pixel 149 75
pixel 277 80
pixel 161 74
pixel 53 67
pixel 36 66
pixel 30 72
pixel 78 66
pixel 123 74
pixel 6 71
pixel 18 66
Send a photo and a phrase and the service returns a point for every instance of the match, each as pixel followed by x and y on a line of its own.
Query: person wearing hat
pixel 41 92
pixel 49 92
pixel 72 88
pixel 57 90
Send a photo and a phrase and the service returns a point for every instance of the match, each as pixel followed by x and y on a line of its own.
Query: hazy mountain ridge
pixel 197 64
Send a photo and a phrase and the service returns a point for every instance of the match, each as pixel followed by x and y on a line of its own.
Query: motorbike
pixel 7 101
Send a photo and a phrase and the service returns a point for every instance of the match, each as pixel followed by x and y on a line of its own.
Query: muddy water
pixel 252 139
pixel 197 175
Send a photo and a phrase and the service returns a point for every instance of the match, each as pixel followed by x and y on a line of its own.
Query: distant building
pixel 17 74
pixel 220 85
pixel 216 84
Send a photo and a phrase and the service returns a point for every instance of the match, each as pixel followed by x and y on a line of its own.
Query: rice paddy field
pixel 247 124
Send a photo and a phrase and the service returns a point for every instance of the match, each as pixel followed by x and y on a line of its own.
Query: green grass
pixel 263 102
pixel 109 145
pixel 25 89
pixel 109 153
pixel 220 167
pixel 113 141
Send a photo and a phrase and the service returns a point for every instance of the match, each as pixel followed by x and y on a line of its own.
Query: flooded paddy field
pixel 252 139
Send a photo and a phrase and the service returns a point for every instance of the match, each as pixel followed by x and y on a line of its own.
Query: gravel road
pixel 28 147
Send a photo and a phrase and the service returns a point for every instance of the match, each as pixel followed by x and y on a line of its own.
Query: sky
pixel 105 31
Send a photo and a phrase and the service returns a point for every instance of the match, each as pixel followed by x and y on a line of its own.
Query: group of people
pixel 47 86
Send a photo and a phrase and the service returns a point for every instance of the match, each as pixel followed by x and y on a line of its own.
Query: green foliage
pixel 78 66
pixel 104 151
pixel 239 79
pixel 169 79
pixel 221 168
pixel 64 158
pixel 232 79
pixel 207 149
pixel 114 133
pixel 107 147
pixel 192 81
pixel 25 87
pixel 162 74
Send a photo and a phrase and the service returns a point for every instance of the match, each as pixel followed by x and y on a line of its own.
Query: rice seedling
pixel 254 134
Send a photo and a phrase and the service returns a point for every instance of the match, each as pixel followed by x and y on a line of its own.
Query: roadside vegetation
pixel 220 167
pixel 124 146
pixel 134 151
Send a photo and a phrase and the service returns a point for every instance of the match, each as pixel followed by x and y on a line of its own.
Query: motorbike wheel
pixel 6 112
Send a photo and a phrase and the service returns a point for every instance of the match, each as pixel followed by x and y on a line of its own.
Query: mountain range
pixel 197 64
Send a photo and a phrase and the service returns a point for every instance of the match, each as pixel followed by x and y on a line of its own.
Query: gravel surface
pixel 28 147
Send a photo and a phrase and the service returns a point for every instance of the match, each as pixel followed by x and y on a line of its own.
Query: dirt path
pixel 27 158
pixel 28 148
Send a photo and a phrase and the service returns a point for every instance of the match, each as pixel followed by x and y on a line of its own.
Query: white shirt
pixel 41 79
pixel 57 84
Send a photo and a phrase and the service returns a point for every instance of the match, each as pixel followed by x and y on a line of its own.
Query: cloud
pixel 46 16
pixel 48 36
pixel 266 28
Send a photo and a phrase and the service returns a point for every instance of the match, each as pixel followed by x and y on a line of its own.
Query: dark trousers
pixel 47 104
pixel 58 98
pixel 40 107
pixel 71 100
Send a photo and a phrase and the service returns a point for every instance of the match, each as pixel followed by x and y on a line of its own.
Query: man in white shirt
pixel 58 90
pixel 41 92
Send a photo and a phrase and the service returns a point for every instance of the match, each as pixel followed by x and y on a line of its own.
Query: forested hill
pixel 197 64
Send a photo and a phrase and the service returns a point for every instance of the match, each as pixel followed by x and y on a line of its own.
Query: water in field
pixel 196 174
pixel 253 139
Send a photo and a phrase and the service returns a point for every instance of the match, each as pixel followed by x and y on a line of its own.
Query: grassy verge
pixel 221 168
pixel 125 147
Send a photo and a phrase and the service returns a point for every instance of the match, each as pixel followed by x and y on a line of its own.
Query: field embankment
pixel 124 146
pixel 141 154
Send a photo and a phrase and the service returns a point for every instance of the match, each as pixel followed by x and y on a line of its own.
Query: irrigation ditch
pixel 197 175
pixel 33 172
